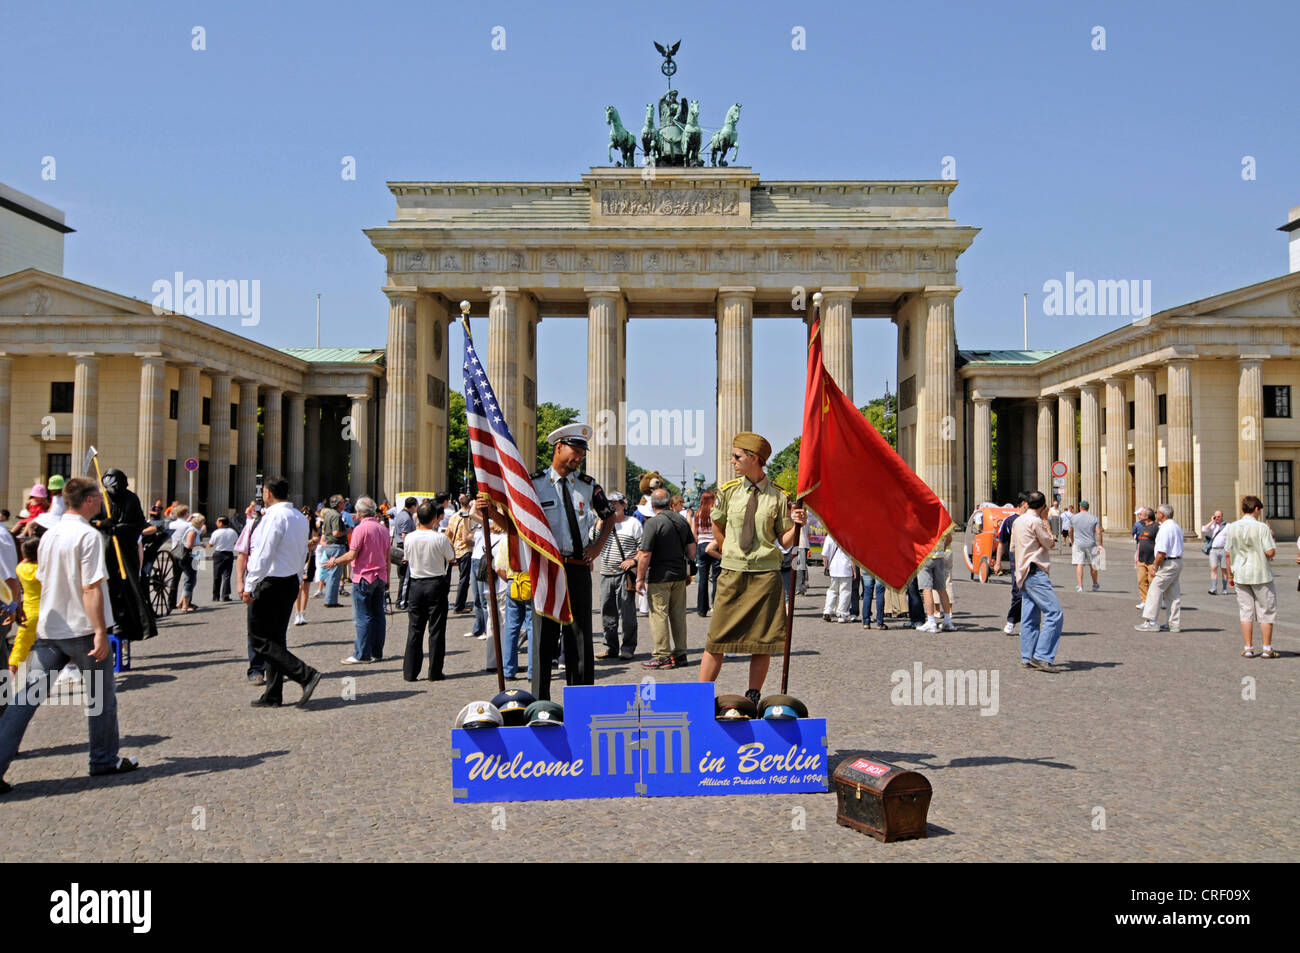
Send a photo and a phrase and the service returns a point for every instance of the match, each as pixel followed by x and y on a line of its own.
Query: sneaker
pixel 680 661
pixel 827 617
pixel 122 767
pixel 1147 626
pixel 1078 588
pixel 1175 628
pixel 927 627
pixel 1009 628
pixel 947 627
pixel 317 594
pixel 1213 592
pixel 69 677
pixel 469 635
pixel 483 637
pixel 665 662
pixel 1096 587
pixel 353 660
pixel 1140 605
pixel 1047 667
pixel 257 678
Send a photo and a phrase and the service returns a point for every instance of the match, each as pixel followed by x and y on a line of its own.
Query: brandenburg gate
pixel 716 244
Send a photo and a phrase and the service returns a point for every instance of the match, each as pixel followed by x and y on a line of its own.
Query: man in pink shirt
pixel 368 552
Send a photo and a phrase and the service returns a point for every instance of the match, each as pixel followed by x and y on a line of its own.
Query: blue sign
pixel 649 740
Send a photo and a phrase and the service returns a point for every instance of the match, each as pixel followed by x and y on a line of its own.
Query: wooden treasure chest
pixel 888 802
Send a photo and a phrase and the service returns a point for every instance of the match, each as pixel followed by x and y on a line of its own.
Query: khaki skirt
pixel 748 614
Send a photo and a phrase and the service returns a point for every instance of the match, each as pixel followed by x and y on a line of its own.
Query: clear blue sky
pixel 225 163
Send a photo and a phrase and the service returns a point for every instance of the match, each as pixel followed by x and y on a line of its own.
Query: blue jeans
pixel 333 577
pixel 480 598
pixel 47 657
pixel 1041 619
pixel 870 586
pixel 368 614
pixel 519 615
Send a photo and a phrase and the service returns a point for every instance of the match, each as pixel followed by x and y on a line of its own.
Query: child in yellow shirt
pixel 31 604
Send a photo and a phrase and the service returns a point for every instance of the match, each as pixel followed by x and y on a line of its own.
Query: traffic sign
pixel 1058 482
pixel 1059 469
pixel 191 464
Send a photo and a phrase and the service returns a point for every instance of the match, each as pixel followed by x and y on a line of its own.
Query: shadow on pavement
pixel 319 703
pixel 127 741
pixel 210 764
pixel 925 761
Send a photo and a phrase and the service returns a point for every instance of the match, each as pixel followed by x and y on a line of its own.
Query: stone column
pixel 512 363
pixel 294 428
pixel 1090 438
pixel 359 482
pixel 606 372
pixel 1178 452
pixel 311 462
pixel 937 421
pixel 219 449
pixel 85 409
pixel 246 459
pixel 1045 449
pixel 735 370
pixel 837 336
pixel 188 415
pixel 401 417
pixel 1067 446
pixel 1250 429
pixel 1117 514
pixel 272 433
pixel 1146 440
pixel 6 398
pixel 983 450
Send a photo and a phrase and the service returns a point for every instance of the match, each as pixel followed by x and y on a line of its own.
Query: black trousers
pixel 915 603
pixel 1013 614
pixel 403 582
pixel 462 582
pixel 222 565
pixel 426 605
pixel 579 658
pixel 268 627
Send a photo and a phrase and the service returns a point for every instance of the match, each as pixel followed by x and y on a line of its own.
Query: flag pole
pixel 483 496
pixel 789 596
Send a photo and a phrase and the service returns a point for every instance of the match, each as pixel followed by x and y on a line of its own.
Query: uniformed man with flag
pixel 574 504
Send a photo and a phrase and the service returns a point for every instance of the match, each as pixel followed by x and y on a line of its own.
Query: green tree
pixel 460 476
pixel 549 417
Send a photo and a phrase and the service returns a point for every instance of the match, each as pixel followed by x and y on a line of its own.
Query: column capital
pixel 1046 400
pixel 1145 372
pixel 1089 386
pixel 602 291
pixel 358 397
pixel 736 291
pixel 940 291
pixel 839 290
pixel 149 355
pixel 219 375
pixel 1115 380
pixel 1252 359
pixel 982 400
pixel 84 355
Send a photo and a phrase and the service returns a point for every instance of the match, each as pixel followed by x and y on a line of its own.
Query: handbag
pixel 1207 547
pixel 629 575
pixel 521 587
pixel 397 554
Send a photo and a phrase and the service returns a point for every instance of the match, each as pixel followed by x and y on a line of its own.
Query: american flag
pixel 503 475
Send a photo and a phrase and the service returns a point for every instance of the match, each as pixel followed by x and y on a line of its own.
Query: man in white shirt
pixel 429 556
pixel 271 581
pixel 223 559
pixel 73 627
pixel 1168 569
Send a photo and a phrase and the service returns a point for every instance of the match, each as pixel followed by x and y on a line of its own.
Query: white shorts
pixel 1218 557
pixel 1257 603
pixel 1079 555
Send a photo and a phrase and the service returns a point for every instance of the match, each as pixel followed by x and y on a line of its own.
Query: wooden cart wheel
pixel 160 582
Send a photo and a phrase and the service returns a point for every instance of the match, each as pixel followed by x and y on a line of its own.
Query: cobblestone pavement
pixel 1151 729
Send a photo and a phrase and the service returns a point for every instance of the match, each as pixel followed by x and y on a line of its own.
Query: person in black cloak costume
pixel 131 609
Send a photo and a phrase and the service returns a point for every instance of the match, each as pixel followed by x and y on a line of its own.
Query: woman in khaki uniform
pixel 750 518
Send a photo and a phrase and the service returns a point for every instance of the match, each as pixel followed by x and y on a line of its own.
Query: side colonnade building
pixel 82 367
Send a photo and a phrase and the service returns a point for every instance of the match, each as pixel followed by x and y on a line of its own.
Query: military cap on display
pixel 782 707
pixel 479 715
pixel 734 708
pixel 754 444
pixel 513 703
pixel 575 435
pixel 544 713
pixel 651 481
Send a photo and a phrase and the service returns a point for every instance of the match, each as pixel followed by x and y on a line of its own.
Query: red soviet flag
pixel 878 510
